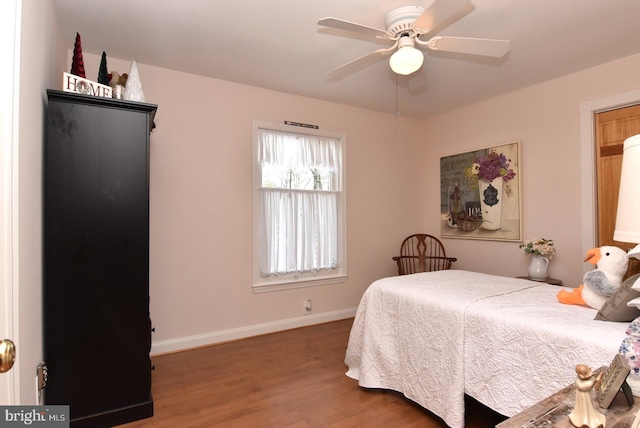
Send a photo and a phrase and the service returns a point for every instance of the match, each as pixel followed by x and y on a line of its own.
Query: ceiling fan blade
pixel 467 45
pixel 360 62
pixel 341 24
pixel 438 12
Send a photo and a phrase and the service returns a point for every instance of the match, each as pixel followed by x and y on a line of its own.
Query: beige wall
pixel 201 188
pixel 546 119
pixel 42 53
pixel 201 192
pixel 201 202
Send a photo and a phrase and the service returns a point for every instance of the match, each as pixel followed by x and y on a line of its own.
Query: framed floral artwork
pixel 481 194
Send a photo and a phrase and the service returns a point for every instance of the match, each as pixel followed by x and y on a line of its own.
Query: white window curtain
pixel 298 227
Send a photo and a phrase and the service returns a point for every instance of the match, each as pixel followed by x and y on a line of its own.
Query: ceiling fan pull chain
pixel 397 108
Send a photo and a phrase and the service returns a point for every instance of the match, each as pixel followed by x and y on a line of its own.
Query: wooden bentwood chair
pixel 422 253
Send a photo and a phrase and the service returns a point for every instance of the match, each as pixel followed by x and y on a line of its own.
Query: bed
pixel 506 342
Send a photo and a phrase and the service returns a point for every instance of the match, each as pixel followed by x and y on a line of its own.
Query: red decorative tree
pixel 77 65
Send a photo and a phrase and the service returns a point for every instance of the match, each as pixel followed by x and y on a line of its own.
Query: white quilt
pixel 425 336
pixel 520 349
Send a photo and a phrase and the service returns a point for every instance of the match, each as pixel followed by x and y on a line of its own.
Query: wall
pixel 201 192
pixel 201 195
pixel 546 119
pixel 201 204
pixel 42 54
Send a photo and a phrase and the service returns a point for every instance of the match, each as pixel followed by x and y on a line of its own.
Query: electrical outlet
pixel 307 307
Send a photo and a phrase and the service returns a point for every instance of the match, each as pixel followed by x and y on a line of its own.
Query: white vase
pixel 491 203
pixel 539 267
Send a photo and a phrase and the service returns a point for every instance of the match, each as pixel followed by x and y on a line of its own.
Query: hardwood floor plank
pixel 290 379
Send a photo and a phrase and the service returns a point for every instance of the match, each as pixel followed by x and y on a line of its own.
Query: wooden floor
pixel 291 379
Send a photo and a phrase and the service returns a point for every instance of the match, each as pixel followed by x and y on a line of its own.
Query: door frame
pixel 589 207
pixel 10 50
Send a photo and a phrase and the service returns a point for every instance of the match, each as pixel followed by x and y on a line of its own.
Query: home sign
pixel 77 84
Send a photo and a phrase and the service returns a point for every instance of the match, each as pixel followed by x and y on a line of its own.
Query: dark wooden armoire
pixel 96 322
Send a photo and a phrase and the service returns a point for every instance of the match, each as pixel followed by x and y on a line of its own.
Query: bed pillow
pixel 615 308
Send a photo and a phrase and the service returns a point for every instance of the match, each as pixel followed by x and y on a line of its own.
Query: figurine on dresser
pixel 583 413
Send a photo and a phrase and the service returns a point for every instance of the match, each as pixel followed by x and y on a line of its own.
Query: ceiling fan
pixel 406 25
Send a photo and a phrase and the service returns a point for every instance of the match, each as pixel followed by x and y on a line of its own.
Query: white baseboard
pixel 183 343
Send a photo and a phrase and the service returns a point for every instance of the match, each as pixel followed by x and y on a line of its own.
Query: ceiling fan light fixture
pixel 407 59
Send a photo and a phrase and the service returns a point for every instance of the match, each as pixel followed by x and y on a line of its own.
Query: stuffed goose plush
pixel 600 283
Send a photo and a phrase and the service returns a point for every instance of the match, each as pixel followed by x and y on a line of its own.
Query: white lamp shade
pixel 406 60
pixel 628 216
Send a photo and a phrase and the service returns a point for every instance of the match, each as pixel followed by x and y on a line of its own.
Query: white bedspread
pixel 408 336
pixel 438 335
pixel 522 348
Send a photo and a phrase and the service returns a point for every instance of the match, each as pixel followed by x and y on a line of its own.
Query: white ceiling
pixel 277 44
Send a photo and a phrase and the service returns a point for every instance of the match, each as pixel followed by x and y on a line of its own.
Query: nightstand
pixel 551 281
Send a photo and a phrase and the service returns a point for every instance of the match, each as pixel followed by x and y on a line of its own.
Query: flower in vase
pixel 540 246
pixel 491 166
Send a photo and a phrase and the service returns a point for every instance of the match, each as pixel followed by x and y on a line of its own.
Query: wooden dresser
pixel 554 411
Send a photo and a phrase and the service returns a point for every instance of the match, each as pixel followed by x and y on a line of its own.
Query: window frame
pixel 262 284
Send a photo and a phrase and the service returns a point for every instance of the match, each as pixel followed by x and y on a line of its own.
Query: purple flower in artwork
pixel 491 166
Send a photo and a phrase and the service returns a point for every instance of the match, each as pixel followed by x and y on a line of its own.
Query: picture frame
pixel 481 194
pixel 613 379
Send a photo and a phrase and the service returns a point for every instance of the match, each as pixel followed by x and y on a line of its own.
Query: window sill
pixel 266 287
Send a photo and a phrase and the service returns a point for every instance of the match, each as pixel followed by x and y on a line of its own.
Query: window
pixel 299 207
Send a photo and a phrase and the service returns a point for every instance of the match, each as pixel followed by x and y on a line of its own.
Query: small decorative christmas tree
pixel 133 89
pixel 77 64
pixel 103 74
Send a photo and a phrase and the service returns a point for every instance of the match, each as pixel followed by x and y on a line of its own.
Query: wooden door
pixel 612 128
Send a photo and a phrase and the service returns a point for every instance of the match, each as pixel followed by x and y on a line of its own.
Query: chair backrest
pixel 632 268
pixel 422 253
